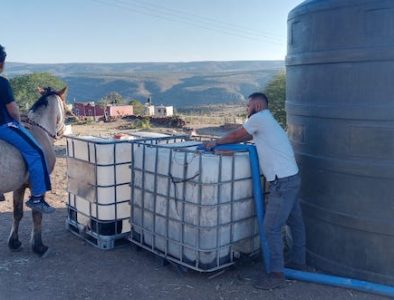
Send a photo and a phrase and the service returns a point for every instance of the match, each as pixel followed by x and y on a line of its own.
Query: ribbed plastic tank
pixel 193 208
pixel 340 106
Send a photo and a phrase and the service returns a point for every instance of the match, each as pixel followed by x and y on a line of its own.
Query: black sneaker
pixel 39 205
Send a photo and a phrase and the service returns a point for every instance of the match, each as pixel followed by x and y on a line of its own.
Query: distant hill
pixel 179 84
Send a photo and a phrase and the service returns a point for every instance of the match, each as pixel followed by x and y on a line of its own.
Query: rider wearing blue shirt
pixel 13 133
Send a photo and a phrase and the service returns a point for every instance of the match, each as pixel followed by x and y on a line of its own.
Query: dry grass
pixel 212 115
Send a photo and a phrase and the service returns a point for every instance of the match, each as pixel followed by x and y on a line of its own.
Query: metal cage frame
pixel 138 238
pixel 93 234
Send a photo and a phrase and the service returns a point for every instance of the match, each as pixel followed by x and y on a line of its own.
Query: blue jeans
pixel 16 135
pixel 284 208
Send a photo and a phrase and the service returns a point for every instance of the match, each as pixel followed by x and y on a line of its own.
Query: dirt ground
pixel 75 269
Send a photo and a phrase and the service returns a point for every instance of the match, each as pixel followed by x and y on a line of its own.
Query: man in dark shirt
pixel 13 133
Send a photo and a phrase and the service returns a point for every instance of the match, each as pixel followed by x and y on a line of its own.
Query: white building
pixel 149 109
pixel 163 111
pixel 157 111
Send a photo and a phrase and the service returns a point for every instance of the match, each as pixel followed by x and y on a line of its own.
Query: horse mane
pixel 43 101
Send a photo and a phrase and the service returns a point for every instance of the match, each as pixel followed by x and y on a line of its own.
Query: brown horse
pixel 46 123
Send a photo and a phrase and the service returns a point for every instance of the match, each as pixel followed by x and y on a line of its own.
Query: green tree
pixel 138 107
pixel 143 124
pixel 112 98
pixel 25 87
pixel 276 93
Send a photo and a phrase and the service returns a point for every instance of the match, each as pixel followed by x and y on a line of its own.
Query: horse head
pixel 48 112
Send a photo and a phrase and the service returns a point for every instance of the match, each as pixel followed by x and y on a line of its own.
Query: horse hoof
pixel 15 245
pixel 41 251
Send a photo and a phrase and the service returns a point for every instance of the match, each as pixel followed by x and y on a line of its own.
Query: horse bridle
pixel 59 130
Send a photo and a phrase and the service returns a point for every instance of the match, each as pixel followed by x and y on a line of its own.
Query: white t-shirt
pixel 275 153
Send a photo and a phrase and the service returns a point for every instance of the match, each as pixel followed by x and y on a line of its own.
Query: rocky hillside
pixel 179 84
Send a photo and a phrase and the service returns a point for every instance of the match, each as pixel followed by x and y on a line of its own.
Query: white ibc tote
pixel 99 176
pixel 194 208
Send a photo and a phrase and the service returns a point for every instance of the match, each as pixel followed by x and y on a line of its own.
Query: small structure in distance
pixel 157 111
pixel 99 111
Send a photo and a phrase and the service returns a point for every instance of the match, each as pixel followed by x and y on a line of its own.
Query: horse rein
pixel 26 120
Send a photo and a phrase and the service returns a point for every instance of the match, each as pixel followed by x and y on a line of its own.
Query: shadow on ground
pixel 75 269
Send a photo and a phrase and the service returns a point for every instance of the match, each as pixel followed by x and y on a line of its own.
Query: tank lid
pixel 316 5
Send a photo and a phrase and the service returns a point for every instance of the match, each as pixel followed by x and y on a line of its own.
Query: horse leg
pixel 36 241
pixel 13 241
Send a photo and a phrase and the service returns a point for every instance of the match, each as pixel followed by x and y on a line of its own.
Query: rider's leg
pixel 34 158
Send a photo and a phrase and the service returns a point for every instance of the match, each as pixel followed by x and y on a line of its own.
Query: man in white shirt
pixel 278 165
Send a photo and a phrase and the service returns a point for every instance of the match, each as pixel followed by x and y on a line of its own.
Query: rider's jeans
pixel 20 138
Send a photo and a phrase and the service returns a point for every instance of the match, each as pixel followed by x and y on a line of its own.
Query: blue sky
pixel 61 31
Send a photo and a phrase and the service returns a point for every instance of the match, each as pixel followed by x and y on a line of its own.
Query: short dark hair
pixel 3 54
pixel 259 96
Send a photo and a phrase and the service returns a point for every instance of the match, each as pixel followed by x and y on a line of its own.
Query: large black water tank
pixel 340 105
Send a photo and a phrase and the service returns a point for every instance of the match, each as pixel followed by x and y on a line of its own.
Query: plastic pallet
pixel 99 241
pixel 224 262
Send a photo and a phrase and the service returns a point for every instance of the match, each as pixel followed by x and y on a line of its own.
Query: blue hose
pixel 360 285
